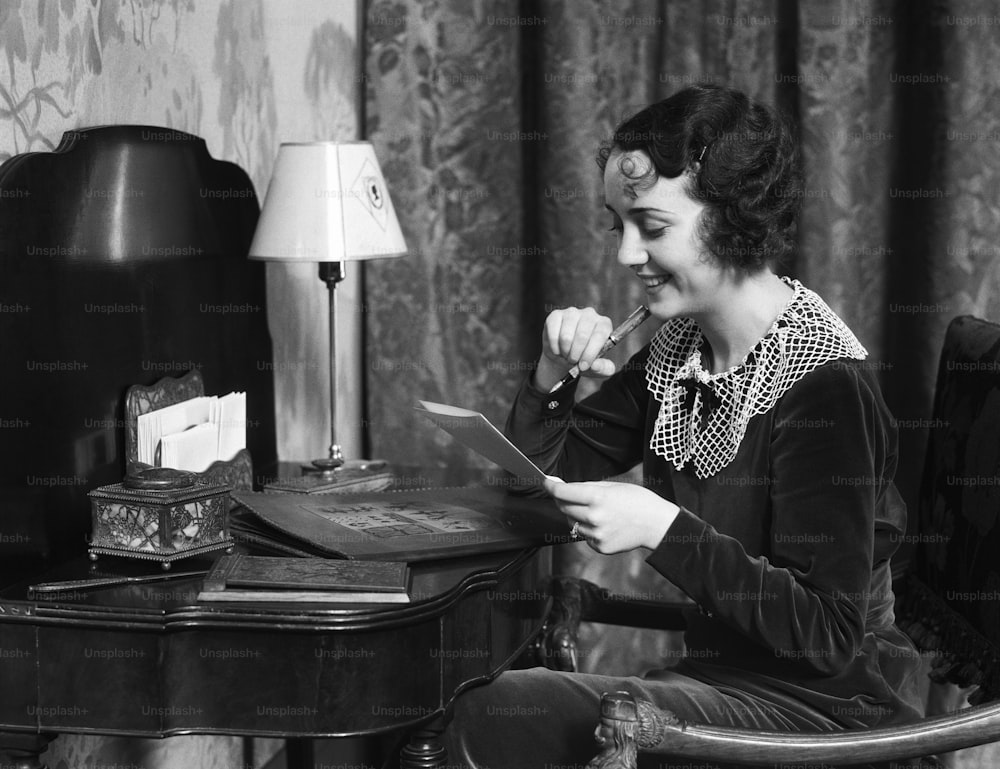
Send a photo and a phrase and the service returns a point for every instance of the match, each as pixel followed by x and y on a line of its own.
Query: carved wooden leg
pixel 556 644
pixel 425 750
pixel 615 735
pixel 24 750
pixel 626 726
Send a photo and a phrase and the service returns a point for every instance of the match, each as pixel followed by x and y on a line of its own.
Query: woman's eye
pixel 654 232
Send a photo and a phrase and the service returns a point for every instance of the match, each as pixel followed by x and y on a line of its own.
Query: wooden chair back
pixel 124 260
pixel 950 603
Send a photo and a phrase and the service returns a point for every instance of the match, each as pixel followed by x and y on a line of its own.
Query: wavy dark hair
pixel 743 164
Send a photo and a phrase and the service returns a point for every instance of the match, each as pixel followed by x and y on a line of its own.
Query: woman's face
pixel 657 229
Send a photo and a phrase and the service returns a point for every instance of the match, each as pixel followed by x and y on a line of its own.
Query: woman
pixel 767 452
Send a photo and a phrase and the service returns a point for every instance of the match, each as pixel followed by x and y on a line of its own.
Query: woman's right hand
pixel 573 337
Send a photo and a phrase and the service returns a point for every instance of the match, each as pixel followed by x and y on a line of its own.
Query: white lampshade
pixel 327 202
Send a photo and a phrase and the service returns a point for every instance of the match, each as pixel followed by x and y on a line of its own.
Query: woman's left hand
pixel 614 517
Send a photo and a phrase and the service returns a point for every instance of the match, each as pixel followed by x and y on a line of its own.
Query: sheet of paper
pixel 473 430
pixel 232 420
pixel 177 418
pixel 194 449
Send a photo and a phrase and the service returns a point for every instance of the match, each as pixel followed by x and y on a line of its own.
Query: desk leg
pixel 299 753
pixel 25 750
pixel 425 750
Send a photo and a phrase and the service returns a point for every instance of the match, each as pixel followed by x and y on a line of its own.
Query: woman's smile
pixel 653 282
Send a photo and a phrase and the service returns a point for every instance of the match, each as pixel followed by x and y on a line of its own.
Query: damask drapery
pixel 486 116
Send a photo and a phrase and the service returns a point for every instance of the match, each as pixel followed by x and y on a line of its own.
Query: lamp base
pixel 354 475
pixel 325 466
pixel 330 467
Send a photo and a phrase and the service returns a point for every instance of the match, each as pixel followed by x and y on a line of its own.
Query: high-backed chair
pixel 124 260
pixel 947 601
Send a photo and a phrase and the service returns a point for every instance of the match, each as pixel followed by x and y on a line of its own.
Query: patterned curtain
pixel 487 115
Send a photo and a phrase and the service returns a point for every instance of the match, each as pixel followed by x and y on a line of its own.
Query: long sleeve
pixel 805 595
pixel 598 437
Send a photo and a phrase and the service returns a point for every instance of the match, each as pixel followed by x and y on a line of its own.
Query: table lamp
pixel 327 203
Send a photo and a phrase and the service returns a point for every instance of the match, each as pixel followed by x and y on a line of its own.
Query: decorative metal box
pixel 159 515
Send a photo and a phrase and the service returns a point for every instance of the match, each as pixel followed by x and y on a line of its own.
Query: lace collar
pixel 703 417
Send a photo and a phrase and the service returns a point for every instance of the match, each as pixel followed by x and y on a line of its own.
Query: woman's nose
pixel 631 252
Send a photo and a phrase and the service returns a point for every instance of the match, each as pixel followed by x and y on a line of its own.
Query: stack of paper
pixel 193 434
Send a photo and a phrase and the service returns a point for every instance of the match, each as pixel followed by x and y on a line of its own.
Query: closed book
pixel 322 580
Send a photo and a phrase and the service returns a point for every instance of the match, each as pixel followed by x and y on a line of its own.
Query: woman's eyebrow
pixel 642 210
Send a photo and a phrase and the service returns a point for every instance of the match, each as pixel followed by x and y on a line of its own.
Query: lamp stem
pixel 332 273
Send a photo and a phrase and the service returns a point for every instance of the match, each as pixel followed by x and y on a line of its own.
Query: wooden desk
pixel 150 661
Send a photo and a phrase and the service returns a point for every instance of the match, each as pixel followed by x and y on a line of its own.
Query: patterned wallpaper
pixel 201 68
pixel 244 75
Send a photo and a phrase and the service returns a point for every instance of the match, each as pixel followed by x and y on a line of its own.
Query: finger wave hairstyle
pixel 740 158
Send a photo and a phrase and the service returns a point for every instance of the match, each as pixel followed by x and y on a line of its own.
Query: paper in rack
pixel 476 432
pixel 193 434
pixel 232 421
pixel 176 418
pixel 193 449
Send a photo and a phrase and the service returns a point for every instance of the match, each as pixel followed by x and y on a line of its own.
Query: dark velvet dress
pixel 785 551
